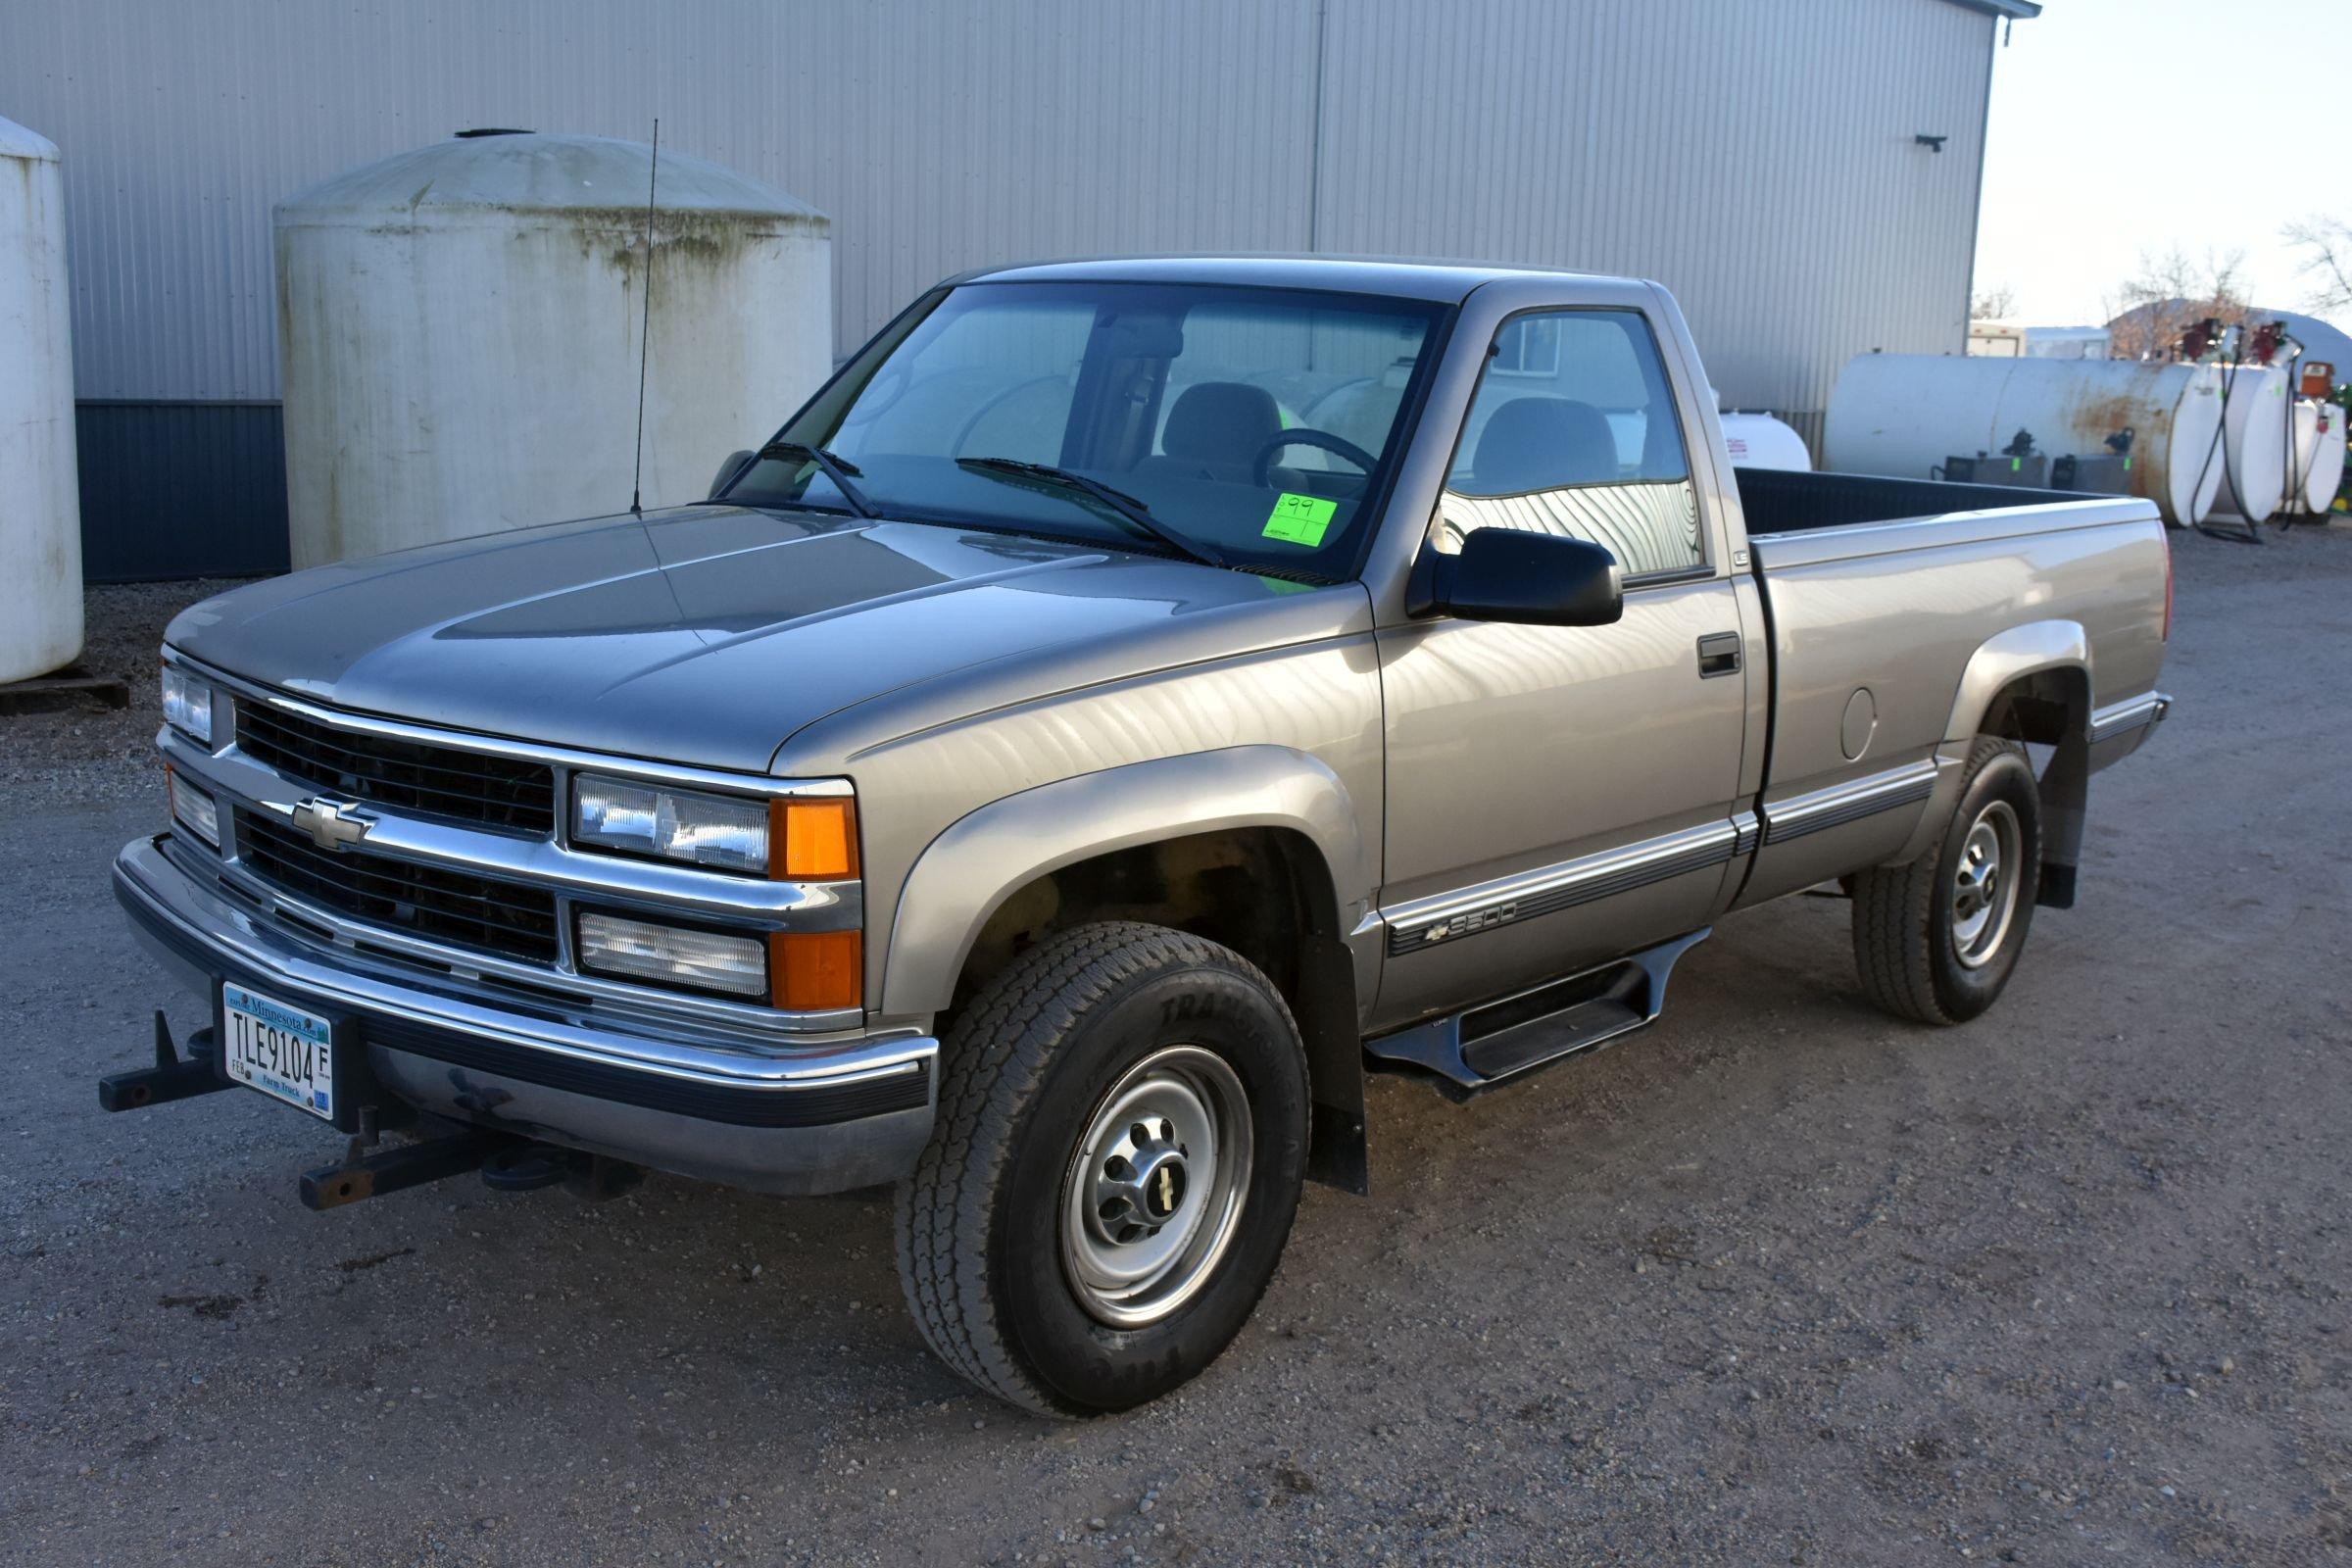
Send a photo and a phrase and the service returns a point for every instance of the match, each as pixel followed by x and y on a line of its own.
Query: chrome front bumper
pixel 801 1118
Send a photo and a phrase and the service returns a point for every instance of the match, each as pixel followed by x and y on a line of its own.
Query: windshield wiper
pixel 841 470
pixel 1124 506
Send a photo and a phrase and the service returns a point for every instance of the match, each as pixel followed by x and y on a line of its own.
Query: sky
pixel 2122 126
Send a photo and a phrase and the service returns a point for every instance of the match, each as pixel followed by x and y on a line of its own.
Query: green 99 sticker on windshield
pixel 1300 519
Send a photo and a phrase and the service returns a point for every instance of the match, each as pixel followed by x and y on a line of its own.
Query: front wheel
pixel 1120 1143
pixel 1937 939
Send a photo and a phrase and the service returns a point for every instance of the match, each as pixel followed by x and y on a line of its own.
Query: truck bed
pixel 1780 501
pixel 1881 595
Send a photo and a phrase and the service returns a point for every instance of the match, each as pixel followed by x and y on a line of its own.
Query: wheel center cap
pixel 1161 1185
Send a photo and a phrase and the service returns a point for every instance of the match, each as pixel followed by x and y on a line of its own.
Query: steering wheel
pixel 1339 446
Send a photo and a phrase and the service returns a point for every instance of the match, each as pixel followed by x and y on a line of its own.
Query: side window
pixel 1528 346
pixel 1573 431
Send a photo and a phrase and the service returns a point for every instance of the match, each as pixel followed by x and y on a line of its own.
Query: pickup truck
pixel 1129 703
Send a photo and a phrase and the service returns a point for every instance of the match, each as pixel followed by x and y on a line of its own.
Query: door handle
pixel 1718 654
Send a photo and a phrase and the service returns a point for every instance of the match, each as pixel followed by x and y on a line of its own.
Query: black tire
pixel 1905 917
pixel 1024 1069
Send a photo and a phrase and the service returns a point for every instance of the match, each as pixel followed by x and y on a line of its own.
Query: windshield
pixel 1249 426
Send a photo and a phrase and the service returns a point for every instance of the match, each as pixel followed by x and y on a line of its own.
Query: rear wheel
pixel 1937 939
pixel 1117 1160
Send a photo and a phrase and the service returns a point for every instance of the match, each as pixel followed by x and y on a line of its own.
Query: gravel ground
pixel 89 752
pixel 1782 1282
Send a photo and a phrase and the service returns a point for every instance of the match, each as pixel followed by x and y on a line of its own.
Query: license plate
pixel 279 1049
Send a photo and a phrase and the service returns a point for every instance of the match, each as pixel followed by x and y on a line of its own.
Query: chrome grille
pixel 407 775
pixel 506 918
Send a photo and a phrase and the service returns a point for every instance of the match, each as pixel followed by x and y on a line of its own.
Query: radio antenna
pixel 645 332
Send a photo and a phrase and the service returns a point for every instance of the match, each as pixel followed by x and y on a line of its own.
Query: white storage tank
pixel 1761 441
pixel 40 495
pixel 1904 414
pixel 458 331
pixel 2324 474
pixel 2258 438
pixel 2318 454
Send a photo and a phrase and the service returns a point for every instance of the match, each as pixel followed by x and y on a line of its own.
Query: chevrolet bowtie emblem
pixel 331 824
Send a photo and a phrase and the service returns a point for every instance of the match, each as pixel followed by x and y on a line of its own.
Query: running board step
pixel 1502 1042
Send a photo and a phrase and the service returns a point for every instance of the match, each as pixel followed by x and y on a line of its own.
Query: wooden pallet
pixel 69 687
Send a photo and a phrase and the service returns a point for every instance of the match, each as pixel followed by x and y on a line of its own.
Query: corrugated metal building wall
pixel 1758 158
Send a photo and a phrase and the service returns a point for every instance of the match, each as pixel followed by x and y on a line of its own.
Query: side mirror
pixel 736 462
pixel 1532 579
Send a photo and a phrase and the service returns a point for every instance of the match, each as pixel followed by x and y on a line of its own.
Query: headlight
pixel 188 705
pixel 720 831
pixel 193 810
pixel 674 956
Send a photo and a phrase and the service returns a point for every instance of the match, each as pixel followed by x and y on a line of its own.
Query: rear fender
pixel 2007 658
pixel 2035 648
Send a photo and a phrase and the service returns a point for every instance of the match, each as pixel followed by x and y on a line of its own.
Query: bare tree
pixel 2327 244
pixel 2170 293
pixel 1997 304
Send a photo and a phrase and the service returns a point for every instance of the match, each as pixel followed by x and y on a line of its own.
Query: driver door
pixel 1560 796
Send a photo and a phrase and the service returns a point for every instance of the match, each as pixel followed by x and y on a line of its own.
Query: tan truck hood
pixel 709 635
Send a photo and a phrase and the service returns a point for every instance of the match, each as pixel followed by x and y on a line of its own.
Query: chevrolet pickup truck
pixel 1130 703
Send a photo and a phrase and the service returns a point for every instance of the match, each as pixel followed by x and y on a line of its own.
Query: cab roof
pixel 1442 282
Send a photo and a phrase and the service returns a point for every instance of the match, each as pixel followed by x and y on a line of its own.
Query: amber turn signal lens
pixel 818 837
pixel 815 971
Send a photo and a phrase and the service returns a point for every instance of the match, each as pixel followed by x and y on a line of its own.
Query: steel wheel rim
pixel 1983 895
pixel 1153 1192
